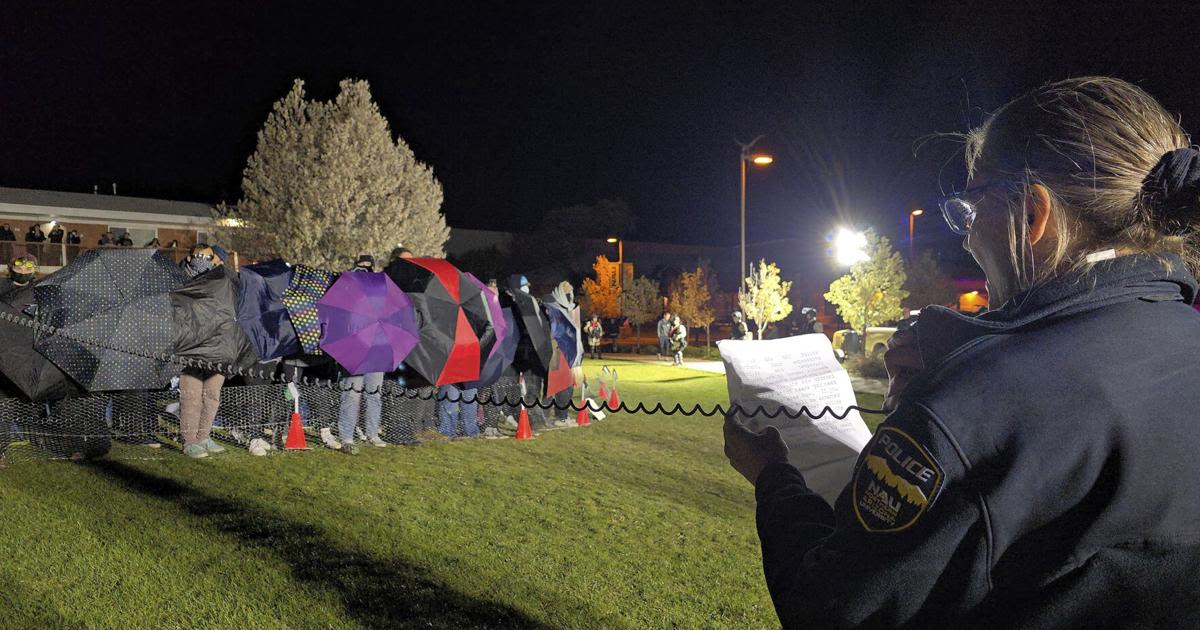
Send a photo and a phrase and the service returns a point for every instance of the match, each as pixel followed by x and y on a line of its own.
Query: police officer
pixel 1040 469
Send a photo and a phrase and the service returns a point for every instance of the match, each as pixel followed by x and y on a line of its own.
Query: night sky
pixel 521 108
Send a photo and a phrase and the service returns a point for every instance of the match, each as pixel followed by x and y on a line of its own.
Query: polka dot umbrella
pixel 117 297
pixel 456 332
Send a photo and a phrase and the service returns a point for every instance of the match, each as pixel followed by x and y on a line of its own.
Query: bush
pixel 700 352
pixel 867 367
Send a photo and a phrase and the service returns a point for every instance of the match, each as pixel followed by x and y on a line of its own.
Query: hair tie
pixel 1172 190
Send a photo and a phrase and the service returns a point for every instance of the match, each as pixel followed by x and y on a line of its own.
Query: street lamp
pixel 850 247
pixel 759 159
pixel 620 259
pixel 912 219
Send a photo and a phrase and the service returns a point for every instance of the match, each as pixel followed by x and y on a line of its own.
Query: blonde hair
pixel 1091 142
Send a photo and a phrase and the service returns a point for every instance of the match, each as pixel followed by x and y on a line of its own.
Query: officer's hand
pixel 750 452
pixel 903 363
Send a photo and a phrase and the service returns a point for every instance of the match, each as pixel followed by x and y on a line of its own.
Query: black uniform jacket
pixel 1044 471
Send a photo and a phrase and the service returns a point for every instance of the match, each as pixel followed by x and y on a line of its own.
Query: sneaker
pixel 377 442
pixel 329 441
pixel 509 422
pixel 349 448
pixel 211 446
pixel 195 451
pixel 561 424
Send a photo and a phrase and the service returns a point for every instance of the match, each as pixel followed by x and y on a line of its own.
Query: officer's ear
pixel 1038 209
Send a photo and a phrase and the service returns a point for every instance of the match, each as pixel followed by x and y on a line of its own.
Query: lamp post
pixel 620 260
pixel 912 224
pixel 760 159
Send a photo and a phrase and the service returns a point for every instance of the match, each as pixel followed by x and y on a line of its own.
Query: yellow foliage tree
pixel 764 298
pixel 603 293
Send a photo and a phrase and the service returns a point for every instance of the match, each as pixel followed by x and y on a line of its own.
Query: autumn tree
pixel 872 292
pixel 641 303
pixel 691 299
pixel 764 296
pixel 328 181
pixel 926 284
pixel 602 294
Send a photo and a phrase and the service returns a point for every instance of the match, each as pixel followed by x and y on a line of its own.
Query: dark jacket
pixel 1041 472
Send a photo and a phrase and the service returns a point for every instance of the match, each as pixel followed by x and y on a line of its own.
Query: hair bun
pixel 1171 192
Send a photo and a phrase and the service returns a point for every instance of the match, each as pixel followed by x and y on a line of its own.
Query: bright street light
pixel 850 247
pixel 912 224
pixel 762 160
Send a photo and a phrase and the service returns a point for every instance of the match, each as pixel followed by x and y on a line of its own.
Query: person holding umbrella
pixel 199 389
pixel 355 388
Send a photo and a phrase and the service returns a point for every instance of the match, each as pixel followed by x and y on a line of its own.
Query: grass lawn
pixel 636 522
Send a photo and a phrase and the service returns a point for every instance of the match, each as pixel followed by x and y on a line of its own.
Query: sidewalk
pixel 865 385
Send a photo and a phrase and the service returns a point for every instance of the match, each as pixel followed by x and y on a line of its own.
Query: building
pixel 144 220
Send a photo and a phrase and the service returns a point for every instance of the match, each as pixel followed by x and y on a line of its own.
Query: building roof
pixel 111 203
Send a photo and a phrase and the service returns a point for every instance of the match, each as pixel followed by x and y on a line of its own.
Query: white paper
pixel 794 373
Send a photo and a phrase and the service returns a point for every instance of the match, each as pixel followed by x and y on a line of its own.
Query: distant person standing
pixel 35 234
pixel 664 335
pixel 125 240
pixel 56 234
pixel 400 252
pixel 741 331
pixel 809 323
pixel 106 240
pixel 595 335
pixel 199 389
pixel 73 238
pixel 154 243
pixel 6 233
pixel 678 340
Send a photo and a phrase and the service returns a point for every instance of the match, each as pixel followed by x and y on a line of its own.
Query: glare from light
pixel 918 212
pixel 850 247
pixel 611 239
pixel 762 159
pixel 973 293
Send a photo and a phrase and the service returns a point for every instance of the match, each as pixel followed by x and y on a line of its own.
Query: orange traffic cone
pixel 524 432
pixel 582 418
pixel 295 437
pixel 603 395
pixel 614 401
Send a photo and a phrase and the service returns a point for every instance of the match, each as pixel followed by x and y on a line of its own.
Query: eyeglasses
pixel 23 264
pixel 960 213
pixel 202 256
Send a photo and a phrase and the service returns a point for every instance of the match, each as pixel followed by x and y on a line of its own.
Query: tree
pixel 872 292
pixel 558 248
pixel 927 284
pixel 691 299
pixel 764 300
pixel 641 303
pixel 603 294
pixel 327 182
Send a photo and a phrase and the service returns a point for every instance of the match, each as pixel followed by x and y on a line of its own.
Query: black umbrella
pixel 111 298
pixel 456 330
pixel 206 327
pixel 32 373
pixel 534 351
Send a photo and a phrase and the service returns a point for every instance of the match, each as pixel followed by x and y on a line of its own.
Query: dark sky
pixel 521 108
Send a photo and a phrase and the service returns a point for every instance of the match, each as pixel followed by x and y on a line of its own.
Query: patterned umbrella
pixel 115 297
pixel 495 312
pixel 32 373
pixel 456 332
pixel 367 323
pixel 300 299
pixel 260 309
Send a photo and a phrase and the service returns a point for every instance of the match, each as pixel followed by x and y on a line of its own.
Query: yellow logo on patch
pixel 900 482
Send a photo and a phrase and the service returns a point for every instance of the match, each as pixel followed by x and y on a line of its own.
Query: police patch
pixel 895 482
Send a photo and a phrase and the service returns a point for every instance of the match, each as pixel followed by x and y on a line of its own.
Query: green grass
pixel 637 522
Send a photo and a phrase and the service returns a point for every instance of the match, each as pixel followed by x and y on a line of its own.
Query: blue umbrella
pixel 260 309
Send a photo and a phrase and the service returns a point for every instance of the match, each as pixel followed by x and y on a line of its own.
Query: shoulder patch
pixel 895 482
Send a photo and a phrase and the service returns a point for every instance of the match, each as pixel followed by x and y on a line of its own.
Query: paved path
pixel 865 385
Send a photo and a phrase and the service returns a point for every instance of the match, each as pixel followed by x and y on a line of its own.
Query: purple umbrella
pixel 367 323
pixel 495 313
